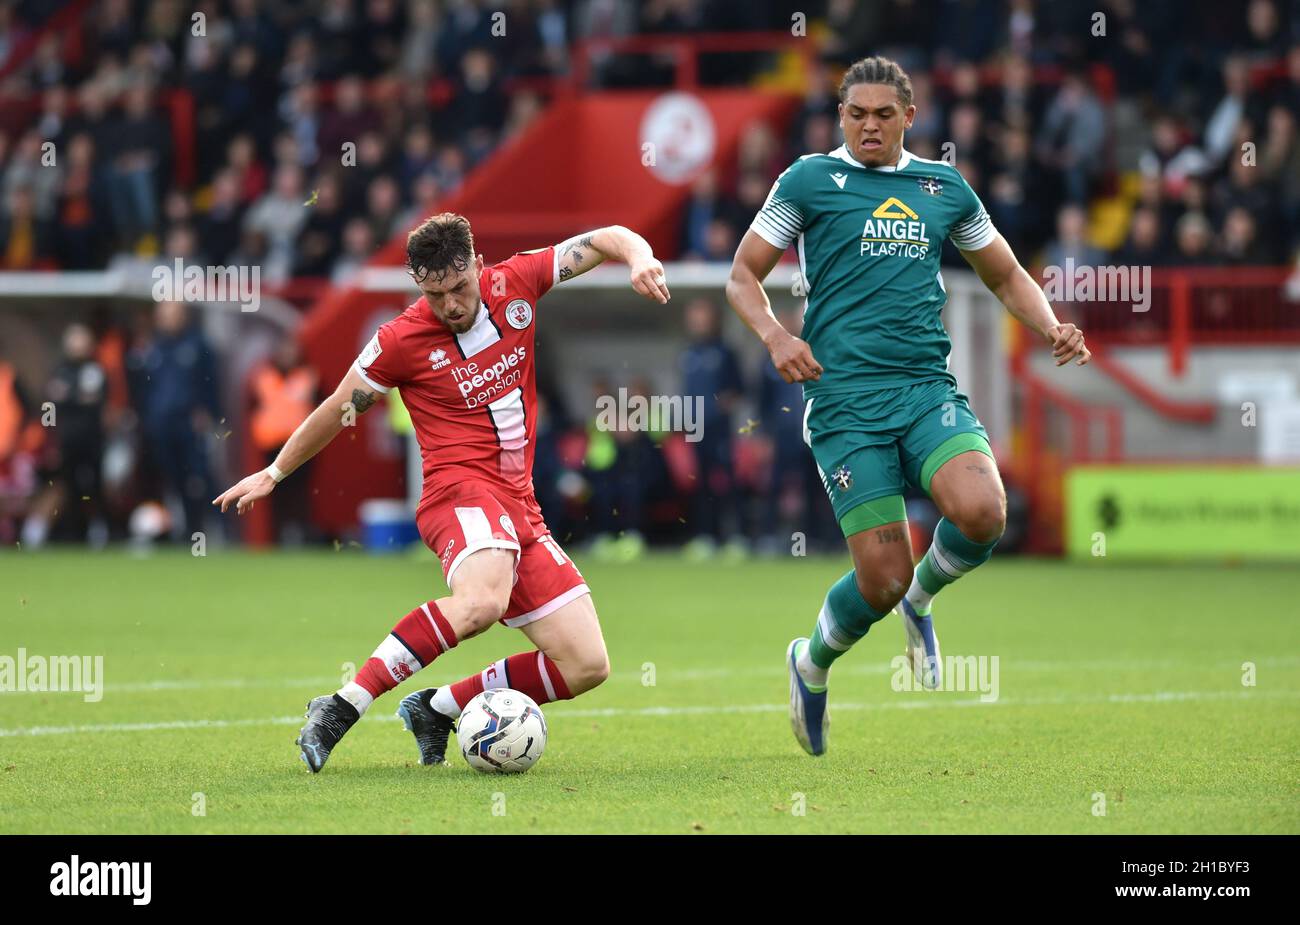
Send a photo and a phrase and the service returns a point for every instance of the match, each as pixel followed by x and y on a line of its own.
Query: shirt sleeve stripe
pixel 974 233
pixel 769 234
pixel 382 389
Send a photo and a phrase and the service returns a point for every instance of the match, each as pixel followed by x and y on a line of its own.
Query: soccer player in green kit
pixel 881 410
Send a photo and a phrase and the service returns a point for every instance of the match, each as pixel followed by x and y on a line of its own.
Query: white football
pixel 501 732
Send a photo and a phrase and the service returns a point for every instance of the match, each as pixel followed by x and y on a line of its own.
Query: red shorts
pixel 471 515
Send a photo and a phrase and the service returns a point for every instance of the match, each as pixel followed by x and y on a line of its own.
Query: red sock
pixel 417 639
pixel 530 673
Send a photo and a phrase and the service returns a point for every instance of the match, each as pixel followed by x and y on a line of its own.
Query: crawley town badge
pixel 508 525
pixel 519 314
pixel 843 478
pixel 930 185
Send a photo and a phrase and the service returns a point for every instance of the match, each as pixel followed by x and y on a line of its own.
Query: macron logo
pixel 839 179
pixel 90 878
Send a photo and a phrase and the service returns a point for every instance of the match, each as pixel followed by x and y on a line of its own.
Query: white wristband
pixel 275 473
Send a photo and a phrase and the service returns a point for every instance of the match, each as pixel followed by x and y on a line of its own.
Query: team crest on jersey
pixel 843 478
pixel 439 358
pixel 508 525
pixel 519 314
pixel 930 185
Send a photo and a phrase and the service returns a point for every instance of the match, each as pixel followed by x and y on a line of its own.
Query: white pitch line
pixel 710 674
pixel 910 701
pixel 140 687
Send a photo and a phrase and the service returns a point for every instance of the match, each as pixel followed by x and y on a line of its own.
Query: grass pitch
pixel 1121 705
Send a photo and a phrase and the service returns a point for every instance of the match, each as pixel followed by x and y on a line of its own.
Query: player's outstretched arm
pixel 754 260
pixel 352 397
pixel 1002 273
pixel 614 242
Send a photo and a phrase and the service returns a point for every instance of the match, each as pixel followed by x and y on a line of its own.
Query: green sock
pixel 844 619
pixel 951 555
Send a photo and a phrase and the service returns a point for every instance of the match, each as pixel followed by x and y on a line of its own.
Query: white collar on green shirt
pixel 843 154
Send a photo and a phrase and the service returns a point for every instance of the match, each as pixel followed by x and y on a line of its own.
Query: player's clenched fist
pixel 254 488
pixel 649 280
pixel 1067 344
pixel 793 359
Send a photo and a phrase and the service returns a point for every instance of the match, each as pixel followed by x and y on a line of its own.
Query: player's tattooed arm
pixel 576 256
pixel 580 253
pixel 362 399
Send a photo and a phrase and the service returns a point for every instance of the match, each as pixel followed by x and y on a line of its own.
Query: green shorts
pixel 870 446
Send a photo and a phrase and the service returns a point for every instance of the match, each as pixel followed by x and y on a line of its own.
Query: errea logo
pixel 439 358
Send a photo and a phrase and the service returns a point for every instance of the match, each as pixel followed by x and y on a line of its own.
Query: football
pixel 501 732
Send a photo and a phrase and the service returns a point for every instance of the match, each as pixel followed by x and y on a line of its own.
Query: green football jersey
pixel 868 240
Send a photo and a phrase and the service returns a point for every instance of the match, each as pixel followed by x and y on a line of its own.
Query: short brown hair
pixel 878 71
pixel 442 244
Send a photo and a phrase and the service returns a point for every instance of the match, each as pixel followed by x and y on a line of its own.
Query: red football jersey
pixel 471 396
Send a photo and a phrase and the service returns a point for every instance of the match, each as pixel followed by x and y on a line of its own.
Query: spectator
pixel 701 208
pixel 320 243
pixel 349 119
pixel 1170 157
pixel 249 171
pixel 28 241
pixel 1193 240
pixel 284 391
pixel 1221 129
pixel 279 216
pixel 78 245
pixel 175 382
pixel 1145 245
pixel 1239 243
pixel 425 195
pixel 382 200
pixel 1071 243
pixel 79 391
pixel 711 376
pixel 358 246
pixel 1071 137
pixel 31 168
pixel 625 470
pixel 20 439
pixel 221 222
pixel 138 159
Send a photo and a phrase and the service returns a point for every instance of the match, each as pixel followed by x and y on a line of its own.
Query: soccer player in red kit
pixel 462 357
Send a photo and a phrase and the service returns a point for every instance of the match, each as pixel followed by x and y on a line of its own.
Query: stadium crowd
pixel 202 130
